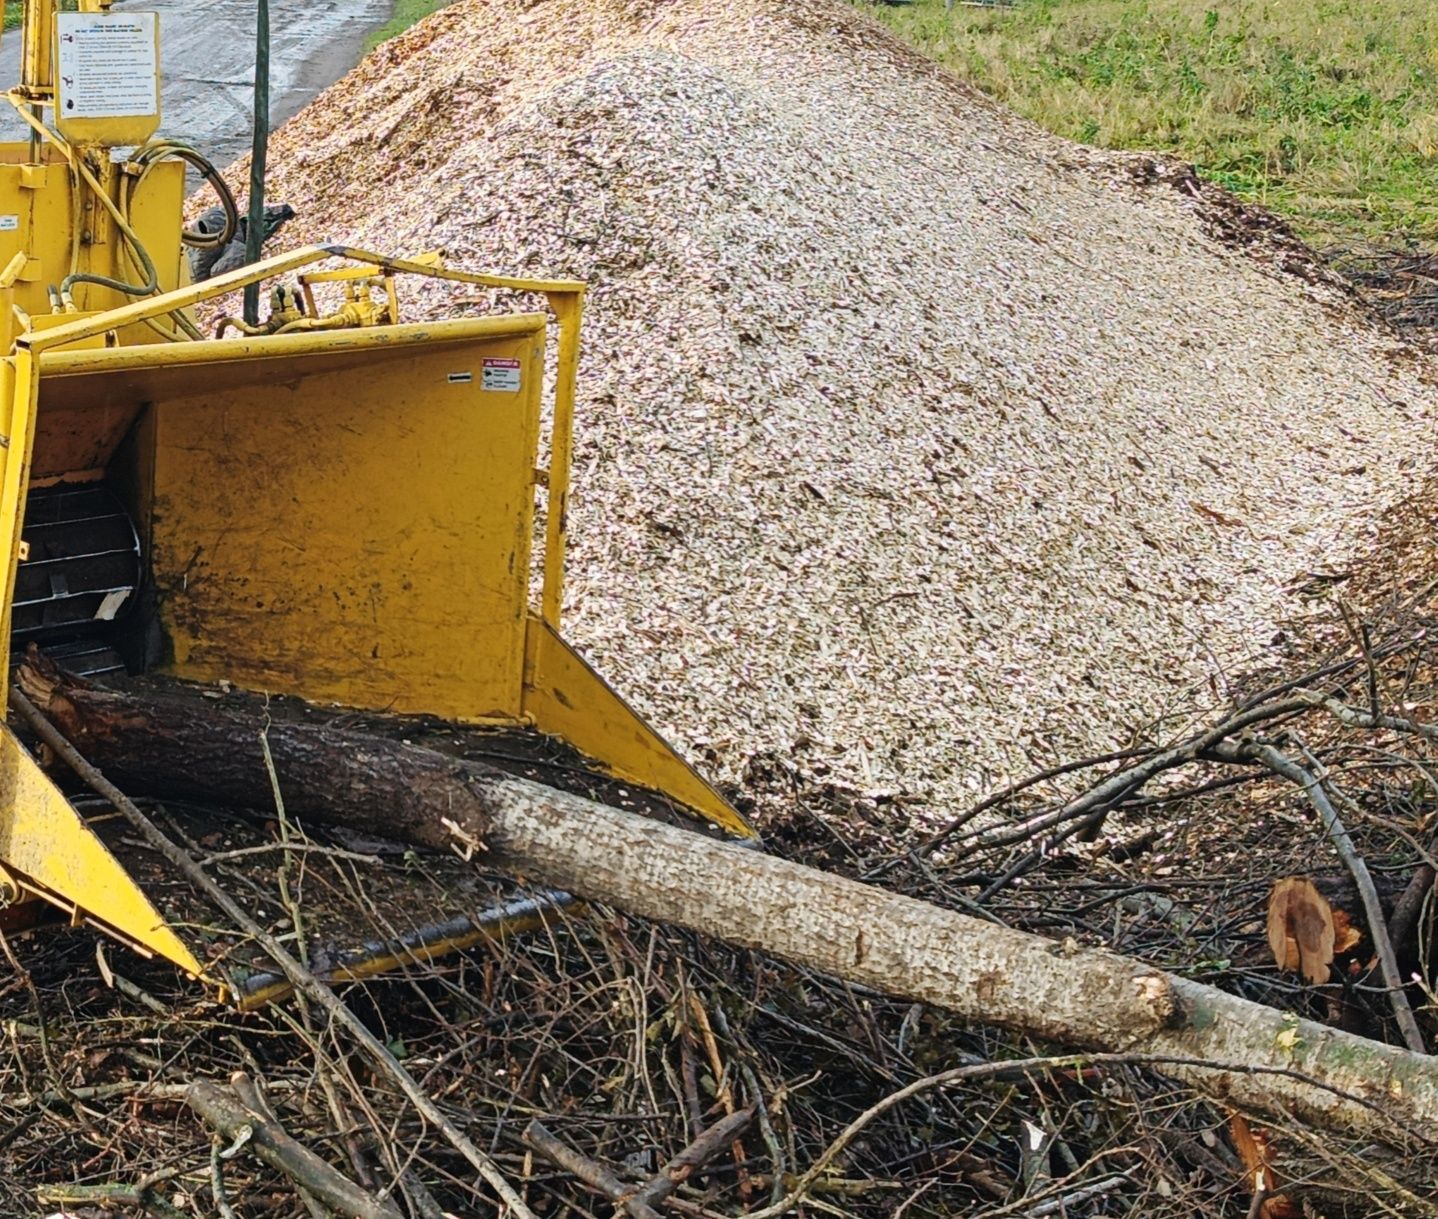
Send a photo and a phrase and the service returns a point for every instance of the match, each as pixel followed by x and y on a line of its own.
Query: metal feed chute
pixel 333 504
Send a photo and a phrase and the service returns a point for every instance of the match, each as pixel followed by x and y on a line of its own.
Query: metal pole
pixel 255 232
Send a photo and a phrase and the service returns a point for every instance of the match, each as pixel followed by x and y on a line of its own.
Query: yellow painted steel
pixel 122 318
pixel 568 307
pixel 346 516
pixel 50 851
pixel 343 514
pixel 350 521
pixel 33 195
pixel 18 377
pixel 36 61
pixel 565 697
pixel 494 930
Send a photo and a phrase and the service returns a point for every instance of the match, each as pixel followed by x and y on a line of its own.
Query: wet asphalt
pixel 207 55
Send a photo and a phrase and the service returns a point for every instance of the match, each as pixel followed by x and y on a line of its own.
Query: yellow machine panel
pixel 39 254
pixel 335 506
pixel 345 516
pixel 48 852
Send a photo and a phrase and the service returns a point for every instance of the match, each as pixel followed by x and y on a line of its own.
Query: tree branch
pixel 1313 788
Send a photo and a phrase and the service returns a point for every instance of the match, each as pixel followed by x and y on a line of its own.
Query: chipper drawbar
pixel 337 507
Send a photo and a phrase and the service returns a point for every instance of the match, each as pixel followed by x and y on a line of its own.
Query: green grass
pixel 406 13
pixel 1324 110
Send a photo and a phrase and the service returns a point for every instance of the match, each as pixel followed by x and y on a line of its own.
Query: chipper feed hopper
pixel 336 506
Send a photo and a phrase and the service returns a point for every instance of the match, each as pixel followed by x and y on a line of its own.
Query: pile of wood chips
pixel 914 443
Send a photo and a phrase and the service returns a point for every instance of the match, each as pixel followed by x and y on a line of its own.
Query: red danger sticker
pixel 499 374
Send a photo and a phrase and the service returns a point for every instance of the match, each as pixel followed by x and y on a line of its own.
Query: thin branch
pixel 1355 718
pixel 1127 782
pixel 229 1114
pixel 1312 786
pixel 598 1176
pixel 989 1070
pixel 705 1146
pixel 298 974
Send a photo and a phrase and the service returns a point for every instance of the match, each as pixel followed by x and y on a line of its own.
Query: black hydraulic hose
pixel 167 149
pixel 147 155
pixel 255 234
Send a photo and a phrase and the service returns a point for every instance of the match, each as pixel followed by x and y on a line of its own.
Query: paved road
pixel 207 50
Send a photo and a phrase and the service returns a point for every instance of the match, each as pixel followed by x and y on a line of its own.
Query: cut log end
pixel 1301 929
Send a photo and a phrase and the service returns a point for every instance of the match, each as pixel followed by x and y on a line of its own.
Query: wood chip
pixel 856 330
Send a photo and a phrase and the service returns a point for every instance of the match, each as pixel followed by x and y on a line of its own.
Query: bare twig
pixel 1125 783
pixel 941 836
pixel 217 1178
pixel 970 1073
pixel 298 974
pixel 1355 718
pixel 707 1145
pixel 228 1115
pixel 1054 1201
pixel 108 1197
pixel 597 1176
pixel 1338 834
pixel 1410 904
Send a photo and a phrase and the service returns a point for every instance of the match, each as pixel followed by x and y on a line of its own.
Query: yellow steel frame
pixel 565 299
pixel 186 390
pixel 37 253
pixel 37 32
pixel 49 853
pixel 340 515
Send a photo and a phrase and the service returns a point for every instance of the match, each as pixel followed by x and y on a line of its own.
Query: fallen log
pixel 1251 1055
pixel 196 750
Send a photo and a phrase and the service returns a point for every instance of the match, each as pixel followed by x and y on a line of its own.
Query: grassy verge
pixel 406 13
pixel 1326 110
pixel 14 9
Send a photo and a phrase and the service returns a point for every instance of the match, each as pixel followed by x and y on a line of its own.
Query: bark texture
pixel 223 1110
pixel 1064 993
pixel 180 744
pixel 1073 996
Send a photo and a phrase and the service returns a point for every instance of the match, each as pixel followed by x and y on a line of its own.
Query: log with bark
pixel 177 743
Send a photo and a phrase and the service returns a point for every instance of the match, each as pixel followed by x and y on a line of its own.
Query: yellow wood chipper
pixel 341 507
